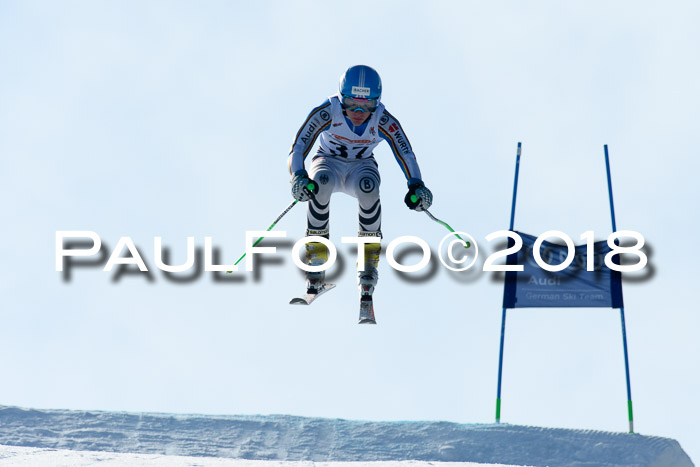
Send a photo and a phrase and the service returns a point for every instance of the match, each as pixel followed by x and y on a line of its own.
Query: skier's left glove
pixel 418 198
pixel 303 188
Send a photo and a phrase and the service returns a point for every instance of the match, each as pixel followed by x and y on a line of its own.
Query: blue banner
pixel 574 286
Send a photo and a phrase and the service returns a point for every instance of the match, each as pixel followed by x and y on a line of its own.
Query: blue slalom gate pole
pixel 515 187
pixel 503 317
pixel 622 309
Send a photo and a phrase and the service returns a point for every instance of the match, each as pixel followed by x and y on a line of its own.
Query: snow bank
pixel 287 438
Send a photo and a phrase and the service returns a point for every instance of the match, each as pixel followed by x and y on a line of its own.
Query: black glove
pixel 418 197
pixel 303 188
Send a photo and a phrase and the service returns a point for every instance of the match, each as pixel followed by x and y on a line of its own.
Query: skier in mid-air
pixel 350 125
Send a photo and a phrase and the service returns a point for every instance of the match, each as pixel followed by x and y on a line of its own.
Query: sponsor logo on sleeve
pixel 401 141
pixel 384 120
pixel 325 115
pixel 393 127
pixel 309 132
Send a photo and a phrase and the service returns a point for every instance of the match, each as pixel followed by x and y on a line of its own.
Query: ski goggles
pixel 359 105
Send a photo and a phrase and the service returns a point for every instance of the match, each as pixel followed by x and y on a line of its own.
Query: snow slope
pixel 31 457
pixel 290 438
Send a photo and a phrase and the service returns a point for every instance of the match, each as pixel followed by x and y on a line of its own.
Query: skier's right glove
pixel 418 197
pixel 303 188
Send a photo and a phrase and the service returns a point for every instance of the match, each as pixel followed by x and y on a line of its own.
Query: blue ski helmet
pixel 361 82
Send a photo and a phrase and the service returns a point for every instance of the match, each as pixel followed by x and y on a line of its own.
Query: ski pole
pixel 311 188
pixel 467 244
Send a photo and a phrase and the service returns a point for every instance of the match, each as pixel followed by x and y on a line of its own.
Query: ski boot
pixel 316 255
pixel 367 280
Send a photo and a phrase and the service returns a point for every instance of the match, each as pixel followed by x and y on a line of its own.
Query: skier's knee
pixel 326 182
pixel 368 186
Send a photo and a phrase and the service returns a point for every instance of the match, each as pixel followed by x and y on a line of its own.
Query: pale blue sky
pixel 175 118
